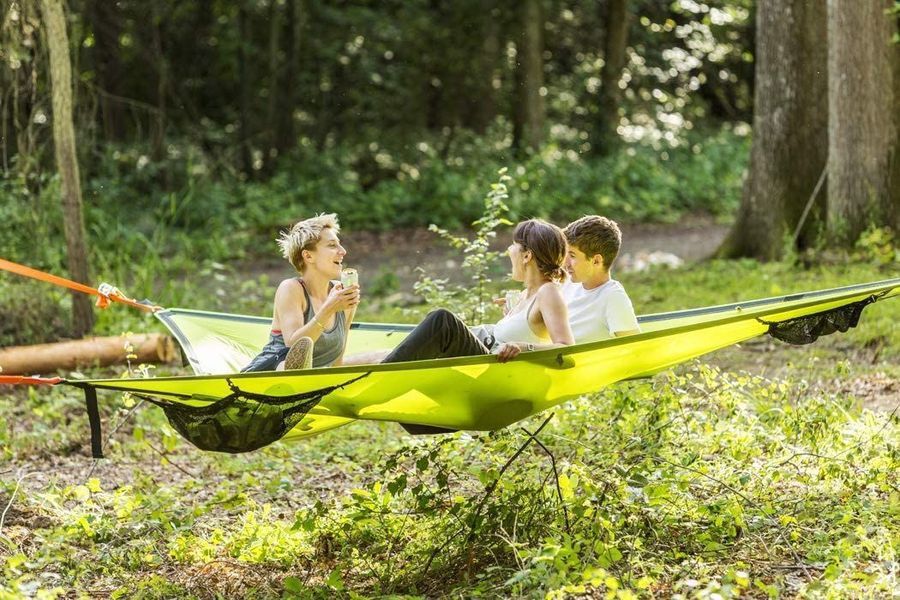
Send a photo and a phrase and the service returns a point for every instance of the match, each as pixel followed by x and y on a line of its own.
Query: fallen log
pixel 97 351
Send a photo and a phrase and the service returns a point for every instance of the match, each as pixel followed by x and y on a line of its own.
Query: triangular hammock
pixel 223 410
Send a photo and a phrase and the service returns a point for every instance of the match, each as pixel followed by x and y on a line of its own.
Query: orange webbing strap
pixel 105 293
pixel 24 380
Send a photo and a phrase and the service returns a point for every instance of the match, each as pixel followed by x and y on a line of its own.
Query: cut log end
pixel 97 351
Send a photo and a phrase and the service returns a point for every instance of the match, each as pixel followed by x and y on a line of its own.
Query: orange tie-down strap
pixel 25 380
pixel 105 293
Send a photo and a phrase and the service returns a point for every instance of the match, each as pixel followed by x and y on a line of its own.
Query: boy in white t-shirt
pixel 598 306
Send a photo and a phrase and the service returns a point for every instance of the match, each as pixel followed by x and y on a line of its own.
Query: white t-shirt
pixel 598 313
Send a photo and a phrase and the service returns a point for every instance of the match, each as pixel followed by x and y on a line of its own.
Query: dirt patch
pixel 393 259
pixel 874 382
pixel 876 391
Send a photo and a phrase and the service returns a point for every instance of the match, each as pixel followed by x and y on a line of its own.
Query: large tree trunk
pixel 789 131
pixel 862 136
pixel 605 135
pixel 67 159
pixel 528 118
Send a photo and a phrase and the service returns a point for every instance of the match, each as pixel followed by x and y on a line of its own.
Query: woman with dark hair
pixel 537 321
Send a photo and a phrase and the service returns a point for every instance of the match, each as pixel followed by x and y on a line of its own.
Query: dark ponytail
pixel 555 274
pixel 547 245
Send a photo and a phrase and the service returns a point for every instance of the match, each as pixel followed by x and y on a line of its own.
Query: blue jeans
pixel 268 358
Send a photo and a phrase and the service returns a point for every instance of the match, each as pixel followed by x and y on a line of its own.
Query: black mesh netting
pixel 805 330
pixel 242 421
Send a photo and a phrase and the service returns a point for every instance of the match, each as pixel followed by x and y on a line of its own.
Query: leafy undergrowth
pixel 696 483
pixel 761 477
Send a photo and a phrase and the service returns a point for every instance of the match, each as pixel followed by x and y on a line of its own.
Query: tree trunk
pixel 67 159
pixel 243 130
pixel 605 136
pixel 895 110
pixel 528 118
pixel 104 19
pixel 862 136
pixel 482 106
pixel 434 79
pixel 20 95
pixel 286 138
pixel 97 351
pixel 158 139
pixel 789 131
pixel 276 24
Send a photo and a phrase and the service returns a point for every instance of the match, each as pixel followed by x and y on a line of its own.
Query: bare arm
pixel 555 315
pixel 290 304
pixel 556 319
pixel 349 314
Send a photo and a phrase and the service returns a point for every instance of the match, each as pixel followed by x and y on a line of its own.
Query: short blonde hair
pixel 304 236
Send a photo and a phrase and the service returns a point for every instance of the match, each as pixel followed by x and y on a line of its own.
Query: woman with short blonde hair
pixel 312 315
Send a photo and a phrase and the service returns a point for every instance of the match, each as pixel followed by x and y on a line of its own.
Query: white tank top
pixel 515 328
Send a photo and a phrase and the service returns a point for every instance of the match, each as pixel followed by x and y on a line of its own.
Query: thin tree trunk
pixel 67 159
pixel 276 24
pixel 434 81
pixel 23 98
pixel 789 130
pixel 862 140
pixel 243 130
pixel 158 139
pixel 605 135
pixel 104 18
pixel 482 107
pixel 287 93
pixel 528 126
pixel 895 110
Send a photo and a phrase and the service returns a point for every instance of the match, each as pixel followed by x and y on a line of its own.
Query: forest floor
pixel 742 474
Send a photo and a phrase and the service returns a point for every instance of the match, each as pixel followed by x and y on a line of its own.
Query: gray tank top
pixel 331 342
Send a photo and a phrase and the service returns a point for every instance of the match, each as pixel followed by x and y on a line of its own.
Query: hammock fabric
pixel 242 421
pixel 222 410
pixel 806 330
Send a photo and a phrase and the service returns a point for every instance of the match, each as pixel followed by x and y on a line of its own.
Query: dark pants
pixel 440 335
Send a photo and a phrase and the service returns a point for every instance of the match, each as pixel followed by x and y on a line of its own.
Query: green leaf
pixel 335 581
pixel 293 585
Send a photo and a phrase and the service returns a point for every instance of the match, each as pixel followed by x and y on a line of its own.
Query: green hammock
pixel 220 409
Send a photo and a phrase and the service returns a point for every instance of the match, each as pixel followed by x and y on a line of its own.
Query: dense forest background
pixel 197 130
pixel 395 114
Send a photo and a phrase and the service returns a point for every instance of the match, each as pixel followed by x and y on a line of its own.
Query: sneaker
pixel 300 356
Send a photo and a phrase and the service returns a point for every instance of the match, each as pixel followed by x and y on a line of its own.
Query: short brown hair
pixel 594 235
pixel 304 236
pixel 547 245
